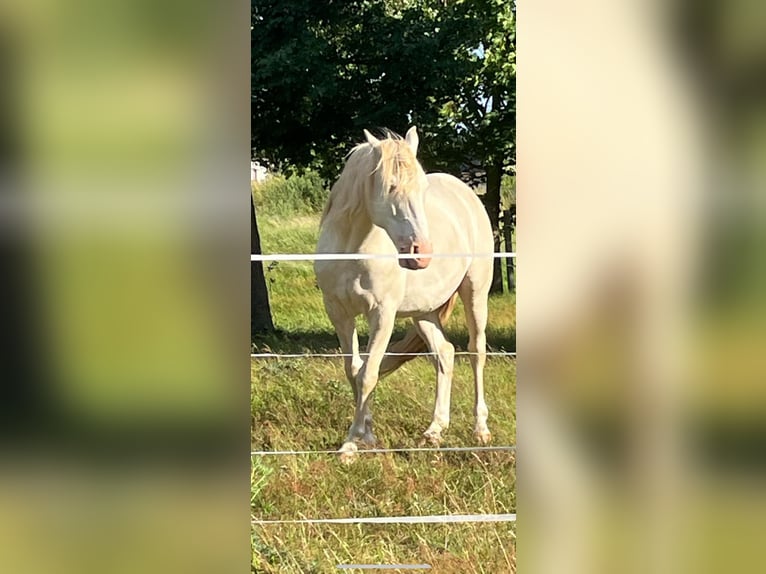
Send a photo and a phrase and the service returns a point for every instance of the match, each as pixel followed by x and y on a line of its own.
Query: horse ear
pixel 412 139
pixel 371 139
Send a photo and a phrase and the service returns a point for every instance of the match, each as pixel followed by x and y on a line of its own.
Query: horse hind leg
pixel 475 304
pixel 413 343
pixel 430 329
pixel 401 351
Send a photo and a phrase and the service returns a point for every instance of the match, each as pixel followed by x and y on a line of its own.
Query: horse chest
pixel 372 286
pixel 360 287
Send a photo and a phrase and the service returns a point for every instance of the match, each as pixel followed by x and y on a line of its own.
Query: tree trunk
pixel 492 205
pixel 24 377
pixel 508 217
pixel 260 310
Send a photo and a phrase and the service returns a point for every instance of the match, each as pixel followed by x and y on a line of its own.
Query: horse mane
pixel 397 165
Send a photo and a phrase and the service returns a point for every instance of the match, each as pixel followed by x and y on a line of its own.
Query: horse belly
pixel 458 225
pixel 428 289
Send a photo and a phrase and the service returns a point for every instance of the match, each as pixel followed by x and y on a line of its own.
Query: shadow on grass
pixel 498 339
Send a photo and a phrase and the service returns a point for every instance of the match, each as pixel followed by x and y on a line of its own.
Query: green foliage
pixel 323 71
pixel 259 479
pixel 479 121
pixel 297 194
pixel 507 191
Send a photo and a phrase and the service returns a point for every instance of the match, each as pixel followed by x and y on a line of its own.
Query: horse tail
pixel 445 311
pixel 412 342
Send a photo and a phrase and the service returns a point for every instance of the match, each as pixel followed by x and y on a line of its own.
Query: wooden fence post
pixel 509 222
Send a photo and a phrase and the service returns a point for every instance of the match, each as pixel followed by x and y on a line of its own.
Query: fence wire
pixel 366 256
pixel 341 355
pixel 428 519
pixel 435 449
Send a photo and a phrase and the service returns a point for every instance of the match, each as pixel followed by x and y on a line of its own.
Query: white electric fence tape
pixel 364 256
pixel 430 519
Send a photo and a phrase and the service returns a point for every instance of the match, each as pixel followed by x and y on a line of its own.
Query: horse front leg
pixel 345 328
pixel 381 326
pixel 349 344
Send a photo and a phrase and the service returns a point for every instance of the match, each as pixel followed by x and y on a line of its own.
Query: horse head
pixel 397 202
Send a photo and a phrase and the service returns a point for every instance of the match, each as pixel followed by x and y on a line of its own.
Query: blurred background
pixel 641 133
pixel 640 189
pixel 123 249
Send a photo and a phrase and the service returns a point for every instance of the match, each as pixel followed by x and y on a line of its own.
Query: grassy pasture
pixel 306 404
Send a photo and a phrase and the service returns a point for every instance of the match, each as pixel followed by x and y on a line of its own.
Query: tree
pixel 479 123
pixel 323 71
pixel 260 310
pixel 24 378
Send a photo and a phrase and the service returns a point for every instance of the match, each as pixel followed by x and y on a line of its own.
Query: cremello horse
pixel 384 203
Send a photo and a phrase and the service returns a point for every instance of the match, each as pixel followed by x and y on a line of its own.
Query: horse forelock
pixel 398 167
pixel 395 163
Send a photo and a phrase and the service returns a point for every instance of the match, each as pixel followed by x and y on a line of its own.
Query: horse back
pixel 466 218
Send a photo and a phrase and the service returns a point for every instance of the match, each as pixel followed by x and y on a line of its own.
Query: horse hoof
pixel 348 457
pixel 483 437
pixel 348 453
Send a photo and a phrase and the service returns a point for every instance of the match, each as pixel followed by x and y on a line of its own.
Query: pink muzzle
pixel 416 248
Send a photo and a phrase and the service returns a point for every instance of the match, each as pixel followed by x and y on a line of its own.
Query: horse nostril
pixel 415 248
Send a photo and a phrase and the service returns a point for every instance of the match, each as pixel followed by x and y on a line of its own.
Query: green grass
pixel 288 196
pixel 306 404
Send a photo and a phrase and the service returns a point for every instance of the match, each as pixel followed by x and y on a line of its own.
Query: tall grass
pixel 283 196
pixel 306 193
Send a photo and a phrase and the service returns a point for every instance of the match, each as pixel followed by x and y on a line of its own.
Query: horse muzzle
pixel 416 248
